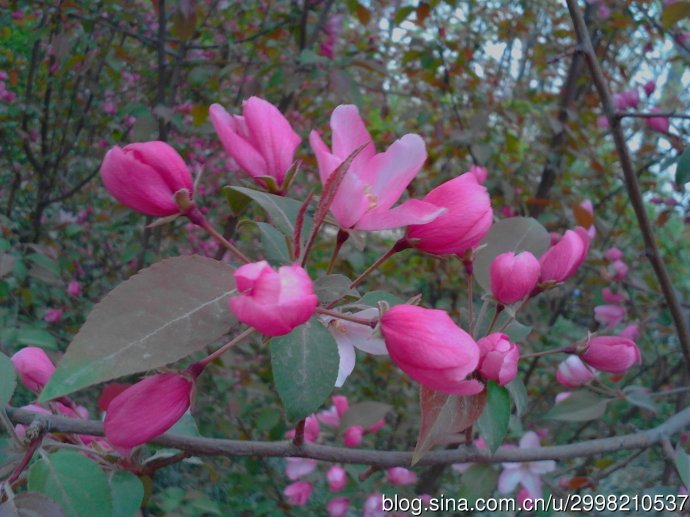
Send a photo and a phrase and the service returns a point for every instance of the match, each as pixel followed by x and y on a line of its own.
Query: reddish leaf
pixel 582 217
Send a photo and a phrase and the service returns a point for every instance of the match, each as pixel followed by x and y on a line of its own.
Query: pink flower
pixel 261 141
pixel 74 289
pixel 498 358
pixel 146 177
pixel 513 276
pixel 611 297
pixel 341 404
pixel 527 474
pixel 626 99
pixel 337 478
pixel 373 506
pixel 465 223
pixel 572 372
pixel 53 315
pixel 34 367
pixel 630 332
pixel 401 476
pixel 298 493
pixel 564 258
pixel 353 435
pixel 311 429
pixel 338 507
pixel 609 315
pixel 613 354
pixel 430 348
pixel 273 302
pixel 374 182
pixel 658 124
pixel 481 173
pixel 613 254
pixel 620 269
pixel 147 409
pixel 603 121
pixel 299 467
pixel 649 87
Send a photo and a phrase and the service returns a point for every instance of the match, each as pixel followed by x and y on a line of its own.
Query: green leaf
pixel 493 423
pixel 160 315
pixel 274 244
pixel 683 465
pixel 402 13
pixel 639 396
pixel 8 380
pixel 444 416
pixel 330 288
pixel 513 234
pixel 185 426
pixel 683 166
pixel 675 12
pixel 73 481
pixel 579 407
pixel 478 481
pixel 518 393
pixel 236 201
pixel 305 368
pixel 36 337
pixel 373 297
pixel 30 504
pixel 127 493
pixel 364 414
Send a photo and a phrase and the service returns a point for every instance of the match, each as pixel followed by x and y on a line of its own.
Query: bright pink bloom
pixel 74 288
pixel 527 474
pixel 626 99
pixel 465 223
pixel 430 348
pixel 147 409
pixel 374 182
pixel 613 254
pixel 401 476
pixel 611 297
pixel 613 354
pixel 331 416
pixel 513 276
pixel 498 358
pixel 338 507
pixel 34 367
pixel 649 87
pixel 630 332
pixel 311 429
pixel 659 124
pixel 341 404
pixel 146 176
pixel 261 141
pixel 621 270
pixel 562 260
pixel 572 372
pixel 609 315
pixel 337 478
pixel 352 436
pixel 298 493
pixel 299 467
pixel 273 302
pixel 378 425
pixel 53 315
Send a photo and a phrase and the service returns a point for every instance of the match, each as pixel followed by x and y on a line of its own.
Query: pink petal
pixel 412 211
pixel 327 162
pixel 509 479
pixel 350 133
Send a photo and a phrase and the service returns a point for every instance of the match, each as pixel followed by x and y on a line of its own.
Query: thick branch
pixel 219 447
pixel 631 183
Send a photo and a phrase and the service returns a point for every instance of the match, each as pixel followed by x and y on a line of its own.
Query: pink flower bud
pixel 498 358
pixel 609 315
pixel 298 493
pixel 53 315
pixel 572 372
pixel 613 354
pixel 273 302
pixel 299 467
pixel 620 269
pixel 611 297
pixel 146 176
pixel 337 478
pixel 481 173
pixel 74 289
pixel 562 260
pixel 338 507
pixel 352 436
pixel 401 476
pixel 658 124
pixel 649 87
pixel 261 141
pixel 430 348
pixel 630 332
pixel 626 99
pixel 147 409
pixel 34 367
pixel 465 223
pixel 378 425
pixel 341 404
pixel 513 276
pixel 613 254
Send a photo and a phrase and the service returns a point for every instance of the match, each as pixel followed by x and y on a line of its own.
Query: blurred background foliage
pixel 496 83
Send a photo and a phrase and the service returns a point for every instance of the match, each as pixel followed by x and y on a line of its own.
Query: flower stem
pixel 227 346
pixel 298 440
pixel 499 310
pixel 480 318
pixel 470 301
pixel 402 244
pixel 340 240
pixel 346 317
pixel 219 237
pixel 564 350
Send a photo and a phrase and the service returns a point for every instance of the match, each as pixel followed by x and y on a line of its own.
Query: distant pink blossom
pixel 53 315
pixel 609 315
pixel 338 507
pixel 631 331
pixel 298 493
pixel 296 468
pixel 74 289
pixel 353 435
pixel 401 476
pixel 337 478
pixel 527 474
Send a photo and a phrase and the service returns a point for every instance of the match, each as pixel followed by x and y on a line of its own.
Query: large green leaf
pixel 8 380
pixel 493 423
pixel 160 315
pixel 513 234
pixel 330 288
pixel 127 493
pixel 274 244
pixel 36 337
pixel 579 407
pixel 305 368
pixel 683 168
pixel 73 481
